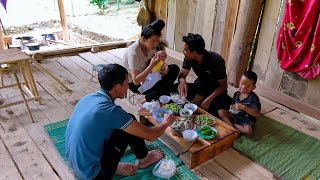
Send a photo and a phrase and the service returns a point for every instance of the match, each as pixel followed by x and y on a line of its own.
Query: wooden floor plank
pixel 8 169
pixel 92 58
pixel 212 170
pixel 64 74
pixel 25 153
pixel 108 57
pixel 27 156
pixel 78 72
pixel 67 100
pixel 303 125
pixel 237 167
pixel 81 63
pixel 37 132
pixel 118 53
pixel 232 152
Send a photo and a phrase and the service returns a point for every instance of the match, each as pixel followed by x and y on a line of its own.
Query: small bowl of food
pixel 206 132
pixel 159 113
pixel 180 100
pixel 189 135
pixel 191 106
pixel 205 119
pixel 185 112
pixel 174 108
pixel 164 99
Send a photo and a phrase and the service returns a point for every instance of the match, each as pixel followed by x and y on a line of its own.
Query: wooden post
pixel 2 45
pixel 160 10
pixel 248 17
pixel 63 21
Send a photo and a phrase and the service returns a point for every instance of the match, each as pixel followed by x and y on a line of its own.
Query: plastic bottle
pixel 158 66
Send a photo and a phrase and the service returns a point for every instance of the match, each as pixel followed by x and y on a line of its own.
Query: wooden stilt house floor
pixel 26 151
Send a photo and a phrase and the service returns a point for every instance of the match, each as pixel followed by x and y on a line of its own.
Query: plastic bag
pixel 166 168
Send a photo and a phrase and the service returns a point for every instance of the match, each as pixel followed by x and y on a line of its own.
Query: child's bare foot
pixel 126 169
pixel 152 157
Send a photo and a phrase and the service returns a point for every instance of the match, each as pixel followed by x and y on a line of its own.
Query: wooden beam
pixel 160 10
pixel 229 27
pixel 185 14
pixel 288 101
pixel 63 21
pixel 204 20
pixel 265 40
pixel 274 71
pixel 219 26
pixel 77 49
pixel 248 18
pixel 171 25
pixel 2 44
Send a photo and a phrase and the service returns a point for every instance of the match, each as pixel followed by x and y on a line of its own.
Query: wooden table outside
pixel 202 150
pixel 10 60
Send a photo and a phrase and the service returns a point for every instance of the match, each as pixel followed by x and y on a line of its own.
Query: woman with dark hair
pixel 140 58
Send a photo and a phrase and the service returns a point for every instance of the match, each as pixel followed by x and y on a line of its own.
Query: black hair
pixel 154 28
pixel 251 75
pixel 195 43
pixel 111 75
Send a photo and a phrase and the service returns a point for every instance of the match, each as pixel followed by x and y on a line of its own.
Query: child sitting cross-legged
pixel 246 108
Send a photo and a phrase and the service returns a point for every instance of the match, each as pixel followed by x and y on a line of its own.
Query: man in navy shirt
pixel 209 90
pixel 99 131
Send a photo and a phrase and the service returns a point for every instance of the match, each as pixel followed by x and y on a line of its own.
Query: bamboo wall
pixel 216 21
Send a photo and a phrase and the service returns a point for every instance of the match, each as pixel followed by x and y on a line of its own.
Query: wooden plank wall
pixel 284 87
pixel 160 11
pixel 207 18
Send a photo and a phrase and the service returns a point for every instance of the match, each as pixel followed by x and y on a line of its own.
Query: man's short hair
pixel 111 75
pixel 251 75
pixel 195 42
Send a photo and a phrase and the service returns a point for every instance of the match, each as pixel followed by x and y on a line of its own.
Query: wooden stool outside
pixel 10 61
pixel 10 69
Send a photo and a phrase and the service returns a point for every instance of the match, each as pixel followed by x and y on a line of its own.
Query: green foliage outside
pixel 100 3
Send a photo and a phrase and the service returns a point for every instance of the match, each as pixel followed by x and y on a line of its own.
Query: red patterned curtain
pixel 298 43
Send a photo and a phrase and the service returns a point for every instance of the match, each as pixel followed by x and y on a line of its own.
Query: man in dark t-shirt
pixel 209 90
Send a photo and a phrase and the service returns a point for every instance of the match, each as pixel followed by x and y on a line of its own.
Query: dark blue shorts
pixel 242 120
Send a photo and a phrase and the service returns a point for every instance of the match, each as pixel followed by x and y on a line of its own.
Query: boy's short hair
pixel 195 42
pixel 111 75
pixel 251 75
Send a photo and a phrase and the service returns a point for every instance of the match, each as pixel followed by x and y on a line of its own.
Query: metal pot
pixel 27 38
pixel 49 36
pixel 33 46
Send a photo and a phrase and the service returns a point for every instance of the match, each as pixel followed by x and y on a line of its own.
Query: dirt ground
pixel 42 16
